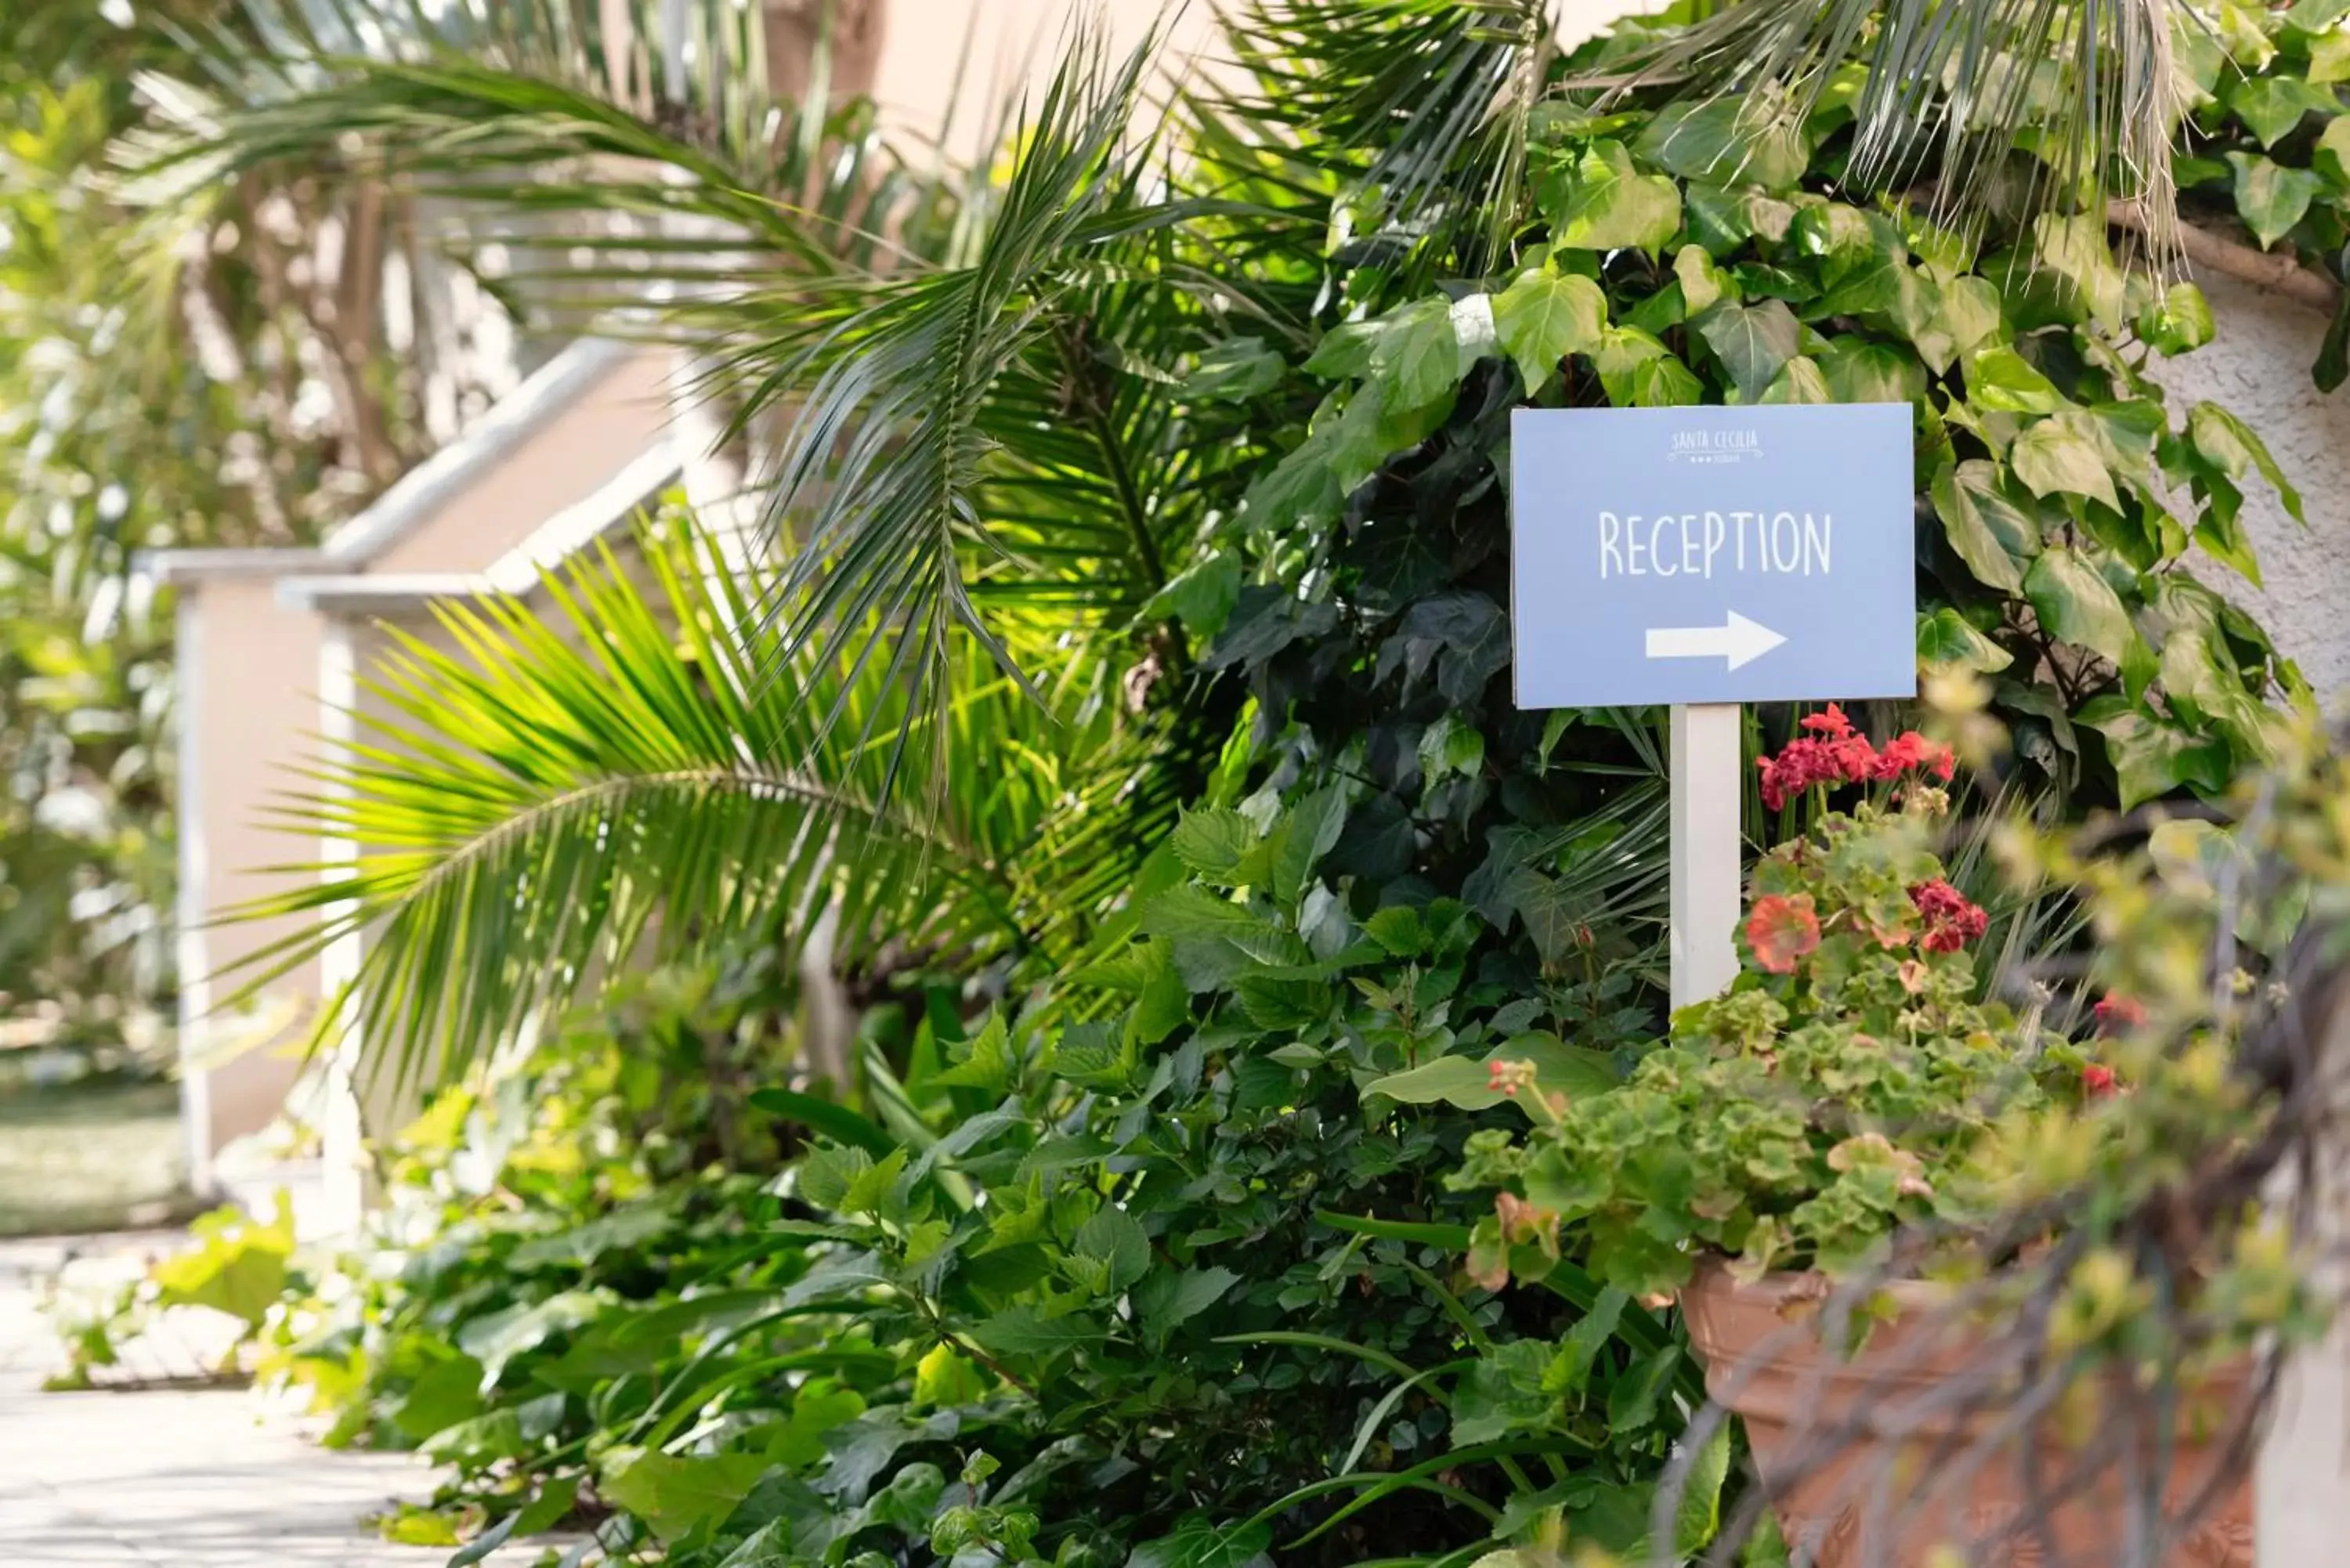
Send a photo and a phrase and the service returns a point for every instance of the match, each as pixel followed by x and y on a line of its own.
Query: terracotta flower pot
pixel 1793 1391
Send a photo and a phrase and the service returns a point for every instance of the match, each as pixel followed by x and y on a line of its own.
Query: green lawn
pixel 103 1156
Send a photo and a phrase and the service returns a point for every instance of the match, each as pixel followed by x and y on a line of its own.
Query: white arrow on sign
pixel 1738 641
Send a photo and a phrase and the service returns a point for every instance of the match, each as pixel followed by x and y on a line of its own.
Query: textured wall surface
pixel 2258 368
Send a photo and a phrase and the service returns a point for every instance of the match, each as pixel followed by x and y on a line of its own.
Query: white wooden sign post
pixel 1705 558
pixel 1707 863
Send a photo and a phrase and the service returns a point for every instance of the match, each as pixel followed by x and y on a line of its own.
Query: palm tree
pixel 987 479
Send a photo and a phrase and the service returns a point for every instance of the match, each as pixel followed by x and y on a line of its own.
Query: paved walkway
pixel 174 1480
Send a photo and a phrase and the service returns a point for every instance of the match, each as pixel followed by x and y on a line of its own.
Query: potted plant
pixel 1891 1211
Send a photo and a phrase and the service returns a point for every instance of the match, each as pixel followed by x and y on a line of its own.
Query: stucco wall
pixel 2258 367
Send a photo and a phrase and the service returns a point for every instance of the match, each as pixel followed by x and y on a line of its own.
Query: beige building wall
pixel 946 64
pixel 562 463
pixel 246 703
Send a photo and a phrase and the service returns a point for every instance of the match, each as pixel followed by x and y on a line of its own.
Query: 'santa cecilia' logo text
pixel 1715 446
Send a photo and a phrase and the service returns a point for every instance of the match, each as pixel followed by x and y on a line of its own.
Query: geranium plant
pixel 1848 1085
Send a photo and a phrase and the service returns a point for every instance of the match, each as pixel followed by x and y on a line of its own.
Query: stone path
pixel 175 1479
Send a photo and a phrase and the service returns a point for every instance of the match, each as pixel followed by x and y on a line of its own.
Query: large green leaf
pixel 1729 142
pixel 1542 317
pixel 2053 458
pixel 1991 532
pixel 676 1494
pixel 2271 197
pixel 1754 341
pixel 1199 1542
pixel 2271 106
pixel 1466 1080
pixel 1946 638
pixel 1599 202
pixel 2001 379
pixel 2077 604
pixel 1418 360
pixel 2239 451
pixel 1858 370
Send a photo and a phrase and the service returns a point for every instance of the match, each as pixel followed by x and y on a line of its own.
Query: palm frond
pixel 916 394
pixel 1412 113
pixel 539 797
pixel 647 161
pixel 1951 87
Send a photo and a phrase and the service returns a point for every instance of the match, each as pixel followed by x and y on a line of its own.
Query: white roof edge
pixel 575 527
pixel 362 593
pixel 197 566
pixel 423 490
pixel 564 534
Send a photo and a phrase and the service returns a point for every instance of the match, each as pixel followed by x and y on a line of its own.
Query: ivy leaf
pixel 1637 371
pixel 2271 106
pixel 2177 322
pixel 1990 531
pixel 2331 157
pixel 1418 361
pixel 2050 457
pixel 2073 247
pixel 2269 197
pixel 1543 317
pixel 1450 745
pixel 2075 604
pixel 1946 638
pixel 1600 203
pixel 2231 443
pixel 1834 229
pixel 1967 314
pixel 1701 281
pixel 2153 758
pixel 1170 1297
pixel 2221 531
pixel 1859 372
pixel 2333 365
pixel 1729 141
pixel 1722 220
pixel 1800 381
pixel 1753 341
pixel 2004 381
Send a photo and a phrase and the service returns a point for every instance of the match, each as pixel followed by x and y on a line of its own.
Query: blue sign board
pixel 1712 555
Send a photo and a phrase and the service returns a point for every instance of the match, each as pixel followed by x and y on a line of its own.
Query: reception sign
pixel 1712 555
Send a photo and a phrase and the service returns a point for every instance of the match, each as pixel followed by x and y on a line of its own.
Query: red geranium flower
pixel 2117 1013
pixel 1911 750
pixel 2098 1080
pixel 1831 752
pixel 1951 922
pixel 1780 929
